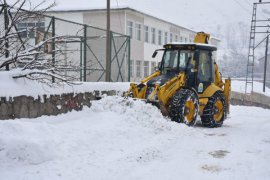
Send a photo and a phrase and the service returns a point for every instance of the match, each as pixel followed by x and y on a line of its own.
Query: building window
pixel 131 68
pixel 146 68
pixel 153 67
pixel 22 28
pixel 138 68
pixel 130 29
pixel 181 39
pixel 160 36
pixel 171 36
pixel 138 31
pixel 185 39
pixel 146 34
pixel 28 30
pixel 165 37
pixel 176 38
pixel 153 35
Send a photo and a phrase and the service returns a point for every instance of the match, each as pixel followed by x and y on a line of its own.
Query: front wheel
pixel 214 111
pixel 184 107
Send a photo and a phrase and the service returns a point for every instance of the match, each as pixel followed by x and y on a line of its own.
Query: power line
pixel 243 7
pixel 247 2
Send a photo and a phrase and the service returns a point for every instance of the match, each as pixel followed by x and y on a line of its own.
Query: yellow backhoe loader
pixel 187 83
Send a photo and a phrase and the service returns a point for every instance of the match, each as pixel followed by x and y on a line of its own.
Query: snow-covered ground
pixel 126 139
pixel 239 86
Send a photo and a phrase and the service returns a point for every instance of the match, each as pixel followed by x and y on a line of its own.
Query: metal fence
pixel 95 55
pixel 79 51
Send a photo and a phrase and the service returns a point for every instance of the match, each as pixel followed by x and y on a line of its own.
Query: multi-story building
pixel 147 33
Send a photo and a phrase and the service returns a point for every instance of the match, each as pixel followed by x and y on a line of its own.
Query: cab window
pixel 170 60
pixel 205 68
pixel 186 57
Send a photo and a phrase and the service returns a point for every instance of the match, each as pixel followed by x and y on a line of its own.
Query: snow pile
pixel 20 143
pixel 133 111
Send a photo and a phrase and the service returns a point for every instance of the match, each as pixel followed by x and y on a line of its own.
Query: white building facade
pixel 147 34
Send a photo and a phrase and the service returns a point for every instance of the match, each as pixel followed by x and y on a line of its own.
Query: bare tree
pixel 36 53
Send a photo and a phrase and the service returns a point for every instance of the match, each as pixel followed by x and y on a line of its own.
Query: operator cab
pixel 195 60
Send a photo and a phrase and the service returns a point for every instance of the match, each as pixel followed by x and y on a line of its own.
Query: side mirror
pixel 154 54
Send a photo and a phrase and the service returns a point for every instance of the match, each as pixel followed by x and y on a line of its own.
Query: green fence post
pixel 81 60
pixel 128 58
pixel 84 53
pixel 53 45
pixel 110 56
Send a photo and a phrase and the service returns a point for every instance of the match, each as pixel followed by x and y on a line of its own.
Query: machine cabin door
pixel 206 70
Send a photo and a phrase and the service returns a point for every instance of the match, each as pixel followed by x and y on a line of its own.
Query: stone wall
pixel 254 99
pixel 28 107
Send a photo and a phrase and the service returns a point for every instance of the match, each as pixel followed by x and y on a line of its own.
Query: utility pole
pixel 263 26
pixel 108 44
pixel 265 62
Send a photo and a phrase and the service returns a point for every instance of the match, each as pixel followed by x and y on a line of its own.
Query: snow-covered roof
pixel 120 8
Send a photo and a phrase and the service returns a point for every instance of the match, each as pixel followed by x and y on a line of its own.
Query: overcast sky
pixel 213 16
pixel 195 14
pixel 189 13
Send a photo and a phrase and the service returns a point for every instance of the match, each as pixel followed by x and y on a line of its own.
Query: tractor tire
pixel 214 111
pixel 184 107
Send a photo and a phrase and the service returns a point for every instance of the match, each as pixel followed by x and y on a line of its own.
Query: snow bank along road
pixel 126 139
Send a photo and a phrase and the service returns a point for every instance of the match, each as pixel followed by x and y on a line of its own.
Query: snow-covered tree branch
pixel 25 44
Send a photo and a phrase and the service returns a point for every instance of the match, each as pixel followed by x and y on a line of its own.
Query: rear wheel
pixel 184 107
pixel 214 111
